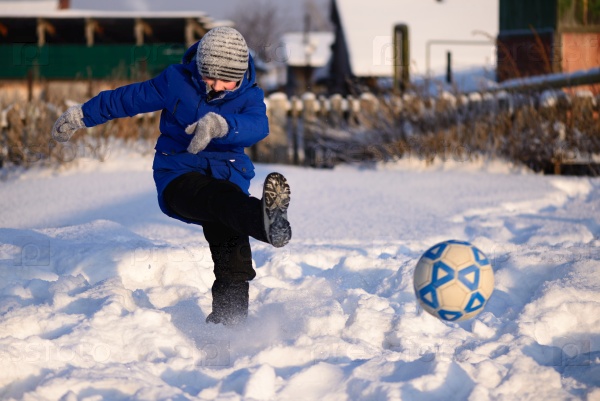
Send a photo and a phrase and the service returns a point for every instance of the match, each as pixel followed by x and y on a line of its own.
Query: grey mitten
pixel 208 127
pixel 69 122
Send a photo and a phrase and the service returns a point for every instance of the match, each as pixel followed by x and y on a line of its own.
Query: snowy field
pixel 104 298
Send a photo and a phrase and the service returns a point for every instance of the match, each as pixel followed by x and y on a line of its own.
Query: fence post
pixel 274 149
pixel 310 108
pixel 369 106
pixel 296 130
pixel 324 108
pixel 353 110
pixel 336 111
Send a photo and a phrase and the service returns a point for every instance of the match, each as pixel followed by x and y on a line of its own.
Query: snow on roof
pixel 368 28
pixel 210 23
pixel 23 8
pixel 313 49
pixel 49 9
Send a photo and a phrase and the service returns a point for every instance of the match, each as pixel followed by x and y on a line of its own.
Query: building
pixel 48 39
pixel 369 37
pixel 547 36
pixel 306 55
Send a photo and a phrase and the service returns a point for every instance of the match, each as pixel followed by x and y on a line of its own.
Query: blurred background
pixel 338 74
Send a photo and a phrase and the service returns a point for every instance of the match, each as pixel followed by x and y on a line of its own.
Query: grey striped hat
pixel 222 54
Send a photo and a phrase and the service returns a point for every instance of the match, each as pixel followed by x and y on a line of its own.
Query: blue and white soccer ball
pixel 453 280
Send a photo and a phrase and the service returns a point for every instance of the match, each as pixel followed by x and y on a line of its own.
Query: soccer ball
pixel 453 280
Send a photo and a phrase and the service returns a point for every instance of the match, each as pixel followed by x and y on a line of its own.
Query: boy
pixel 212 109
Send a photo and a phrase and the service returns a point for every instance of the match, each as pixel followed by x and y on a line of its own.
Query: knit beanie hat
pixel 222 54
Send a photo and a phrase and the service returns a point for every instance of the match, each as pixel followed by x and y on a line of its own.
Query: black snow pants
pixel 228 217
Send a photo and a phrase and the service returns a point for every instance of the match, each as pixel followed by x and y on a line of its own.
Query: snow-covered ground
pixel 103 297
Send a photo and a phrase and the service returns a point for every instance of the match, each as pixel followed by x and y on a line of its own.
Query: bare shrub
pixel 25 133
pixel 521 128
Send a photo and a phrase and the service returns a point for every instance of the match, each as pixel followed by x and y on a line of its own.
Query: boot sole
pixel 276 200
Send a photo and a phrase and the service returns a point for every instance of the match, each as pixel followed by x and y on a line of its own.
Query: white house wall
pixel 316 50
pixel 368 27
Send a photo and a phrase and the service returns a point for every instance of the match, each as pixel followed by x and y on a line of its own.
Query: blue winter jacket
pixel 182 96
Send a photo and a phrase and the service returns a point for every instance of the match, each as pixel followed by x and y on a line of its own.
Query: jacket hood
pixel 189 61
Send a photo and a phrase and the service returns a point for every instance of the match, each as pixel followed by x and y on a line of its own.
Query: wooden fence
pixel 544 130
